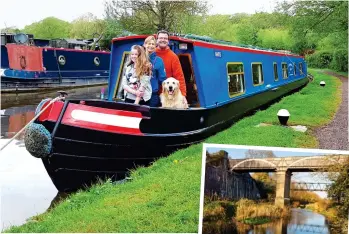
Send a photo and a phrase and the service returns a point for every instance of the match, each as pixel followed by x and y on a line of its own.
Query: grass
pixel 162 198
pixel 249 212
pixel 218 210
pixel 313 106
pixel 329 70
pixel 257 221
pixel 165 196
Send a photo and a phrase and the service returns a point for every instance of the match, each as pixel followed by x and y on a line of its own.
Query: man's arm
pixel 178 74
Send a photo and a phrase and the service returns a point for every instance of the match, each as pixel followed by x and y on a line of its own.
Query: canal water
pixel 300 222
pixel 25 187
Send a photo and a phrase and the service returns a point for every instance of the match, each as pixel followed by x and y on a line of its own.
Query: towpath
pixel 335 135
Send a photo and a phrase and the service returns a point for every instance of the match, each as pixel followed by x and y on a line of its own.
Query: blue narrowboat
pixel 82 140
pixel 29 64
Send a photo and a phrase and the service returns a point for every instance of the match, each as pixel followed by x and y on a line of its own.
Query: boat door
pixel 187 67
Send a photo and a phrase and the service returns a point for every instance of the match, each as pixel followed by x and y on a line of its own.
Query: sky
pixel 24 12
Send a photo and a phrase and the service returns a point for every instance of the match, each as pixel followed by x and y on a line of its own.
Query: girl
pixel 136 81
pixel 158 71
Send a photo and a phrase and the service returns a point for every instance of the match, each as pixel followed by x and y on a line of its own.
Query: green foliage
pixel 49 28
pixel 335 59
pixel 340 60
pixel 86 26
pixel 10 30
pixel 275 39
pixel 320 59
pixel 148 16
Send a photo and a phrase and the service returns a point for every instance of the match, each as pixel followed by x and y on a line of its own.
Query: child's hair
pixel 143 65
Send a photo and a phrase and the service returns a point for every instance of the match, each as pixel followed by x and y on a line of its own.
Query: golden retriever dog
pixel 171 95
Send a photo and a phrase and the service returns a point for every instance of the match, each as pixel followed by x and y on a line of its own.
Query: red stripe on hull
pixel 240 49
pixel 69 120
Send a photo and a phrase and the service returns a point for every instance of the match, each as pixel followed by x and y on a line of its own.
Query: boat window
pixel 3 39
pixel 300 68
pixel 236 80
pixel 119 95
pixel 257 73
pixel 284 71
pixel 276 75
pixel 294 68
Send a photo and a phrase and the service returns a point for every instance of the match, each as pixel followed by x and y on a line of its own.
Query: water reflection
pixel 300 222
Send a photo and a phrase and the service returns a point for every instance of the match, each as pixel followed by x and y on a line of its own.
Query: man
pixel 173 67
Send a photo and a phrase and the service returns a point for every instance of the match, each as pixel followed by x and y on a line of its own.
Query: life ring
pixel 23 62
pixel 96 61
pixel 61 60
pixel 37 140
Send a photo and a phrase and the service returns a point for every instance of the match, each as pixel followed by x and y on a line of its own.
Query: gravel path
pixel 335 135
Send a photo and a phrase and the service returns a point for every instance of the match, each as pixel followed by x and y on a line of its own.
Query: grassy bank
pixel 313 106
pixel 251 212
pixel 165 196
pixel 244 211
pixel 332 71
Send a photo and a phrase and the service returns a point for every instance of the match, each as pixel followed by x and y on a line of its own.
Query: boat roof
pixel 205 41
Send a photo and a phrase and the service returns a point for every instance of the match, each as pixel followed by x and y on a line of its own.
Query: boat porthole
pixel 61 60
pixel 96 61
pixel 201 119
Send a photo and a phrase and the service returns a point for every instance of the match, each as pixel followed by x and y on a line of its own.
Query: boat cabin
pixel 216 72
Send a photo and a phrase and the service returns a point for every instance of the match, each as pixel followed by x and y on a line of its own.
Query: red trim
pixel 130 38
pixel 51 113
pixel 211 45
pixel 69 120
pixel 92 51
pixel 241 49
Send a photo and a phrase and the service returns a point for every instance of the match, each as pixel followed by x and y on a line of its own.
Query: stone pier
pixel 283 187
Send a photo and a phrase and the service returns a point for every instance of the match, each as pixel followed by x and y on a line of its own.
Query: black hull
pixel 80 156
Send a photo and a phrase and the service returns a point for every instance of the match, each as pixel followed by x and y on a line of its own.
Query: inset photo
pixel 251 189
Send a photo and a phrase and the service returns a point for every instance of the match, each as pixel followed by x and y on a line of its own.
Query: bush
pixel 340 60
pixel 320 59
pixel 336 60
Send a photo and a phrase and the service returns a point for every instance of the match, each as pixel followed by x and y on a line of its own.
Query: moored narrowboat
pixel 30 65
pixel 82 140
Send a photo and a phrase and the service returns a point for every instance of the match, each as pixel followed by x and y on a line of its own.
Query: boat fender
pixel 41 105
pixel 37 140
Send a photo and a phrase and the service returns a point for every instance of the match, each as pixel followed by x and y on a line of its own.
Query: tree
pixel 86 26
pixel 320 17
pixel 49 28
pixel 149 16
pixel 339 192
pixel 11 29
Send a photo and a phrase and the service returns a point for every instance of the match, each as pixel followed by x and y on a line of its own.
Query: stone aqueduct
pixel 284 168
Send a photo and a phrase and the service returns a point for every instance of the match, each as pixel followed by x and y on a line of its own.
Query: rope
pixel 31 121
